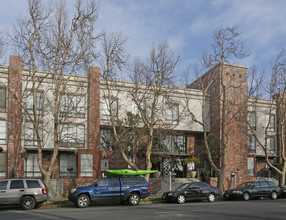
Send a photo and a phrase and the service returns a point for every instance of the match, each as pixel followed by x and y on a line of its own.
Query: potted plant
pixel 190 162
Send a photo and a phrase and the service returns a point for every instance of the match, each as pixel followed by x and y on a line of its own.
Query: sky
pixel 187 25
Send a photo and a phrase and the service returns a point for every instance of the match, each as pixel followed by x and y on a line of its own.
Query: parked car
pixel 126 189
pixel 192 191
pixel 29 193
pixel 254 189
pixel 283 191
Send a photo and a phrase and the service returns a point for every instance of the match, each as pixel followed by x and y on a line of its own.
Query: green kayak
pixel 128 172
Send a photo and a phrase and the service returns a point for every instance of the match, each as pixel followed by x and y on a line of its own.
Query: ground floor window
pixel 32 166
pixel 86 167
pixel 2 164
pixel 3 132
pixel 250 166
pixel 68 165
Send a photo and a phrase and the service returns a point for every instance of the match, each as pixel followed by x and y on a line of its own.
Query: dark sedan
pixel 192 191
pixel 254 189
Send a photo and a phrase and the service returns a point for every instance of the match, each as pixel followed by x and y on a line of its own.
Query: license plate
pixel 226 195
pixel 164 197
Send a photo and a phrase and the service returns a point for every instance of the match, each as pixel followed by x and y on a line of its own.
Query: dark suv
pixel 254 189
pixel 29 193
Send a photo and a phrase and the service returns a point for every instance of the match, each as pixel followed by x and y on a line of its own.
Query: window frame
pixel 70 139
pixel 271 150
pixel 250 169
pixel 30 101
pixel 251 118
pixel 172 113
pixel 106 114
pixel 73 108
pixel 33 140
pixel 86 170
pixel 35 171
pixel 3 132
pixel 4 101
pixel 71 162
pixel 251 149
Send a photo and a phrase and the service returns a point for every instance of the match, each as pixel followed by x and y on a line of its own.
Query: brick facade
pixel 235 79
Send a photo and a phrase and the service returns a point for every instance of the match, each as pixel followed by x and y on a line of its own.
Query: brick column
pixel 94 121
pixel 15 164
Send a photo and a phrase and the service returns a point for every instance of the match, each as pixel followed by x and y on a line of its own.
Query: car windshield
pixel 244 185
pixel 184 186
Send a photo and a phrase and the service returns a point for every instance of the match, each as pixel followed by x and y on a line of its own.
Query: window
pixel 250 166
pixel 114 182
pixel 102 182
pixel 72 135
pixel 33 184
pixel 172 113
pixel 136 110
pixel 68 167
pixel 3 132
pixel 30 101
pixel 106 109
pixel 251 144
pixel 86 168
pixel 3 99
pixel 30 133
pixel 270 122
pixel 32 167
pixel 270 145
pixel 3 185
pixel 2 164
pixel 174 144
pixel 16 184
pixel 73 106
pixel 251 117
pixel 106 140
pixel 104 164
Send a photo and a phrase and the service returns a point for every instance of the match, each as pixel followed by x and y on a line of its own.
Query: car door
pixel 256 189
pixel 193 191
pixel 16 191
pixel 265 188
pixel 100 189
pixel 114 188
pixel 3 192
pixel 204 190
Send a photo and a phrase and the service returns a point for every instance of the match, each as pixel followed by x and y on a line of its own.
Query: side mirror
pixel 95 185
pixel 252 187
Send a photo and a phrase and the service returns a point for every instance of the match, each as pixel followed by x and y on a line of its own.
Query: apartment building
pixel 85 147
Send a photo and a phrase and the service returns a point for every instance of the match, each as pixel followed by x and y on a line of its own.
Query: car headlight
pixel 237 191
pixel 169 194
pixel 72 190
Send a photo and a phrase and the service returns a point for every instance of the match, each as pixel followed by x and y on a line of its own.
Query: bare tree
pixel 153 88
pixel 51 39
pixel 220 81
pixel 262 128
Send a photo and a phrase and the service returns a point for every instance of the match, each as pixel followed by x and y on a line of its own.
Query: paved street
pixel 254 209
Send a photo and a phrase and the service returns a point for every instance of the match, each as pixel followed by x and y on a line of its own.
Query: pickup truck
pixel 126 189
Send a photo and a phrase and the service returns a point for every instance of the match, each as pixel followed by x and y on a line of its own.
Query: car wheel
pixel 82 201
pixel 134 199
pixel 246 196
pixel 211 197
pixel 28 202
pixel 181 199
pixel 274 195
